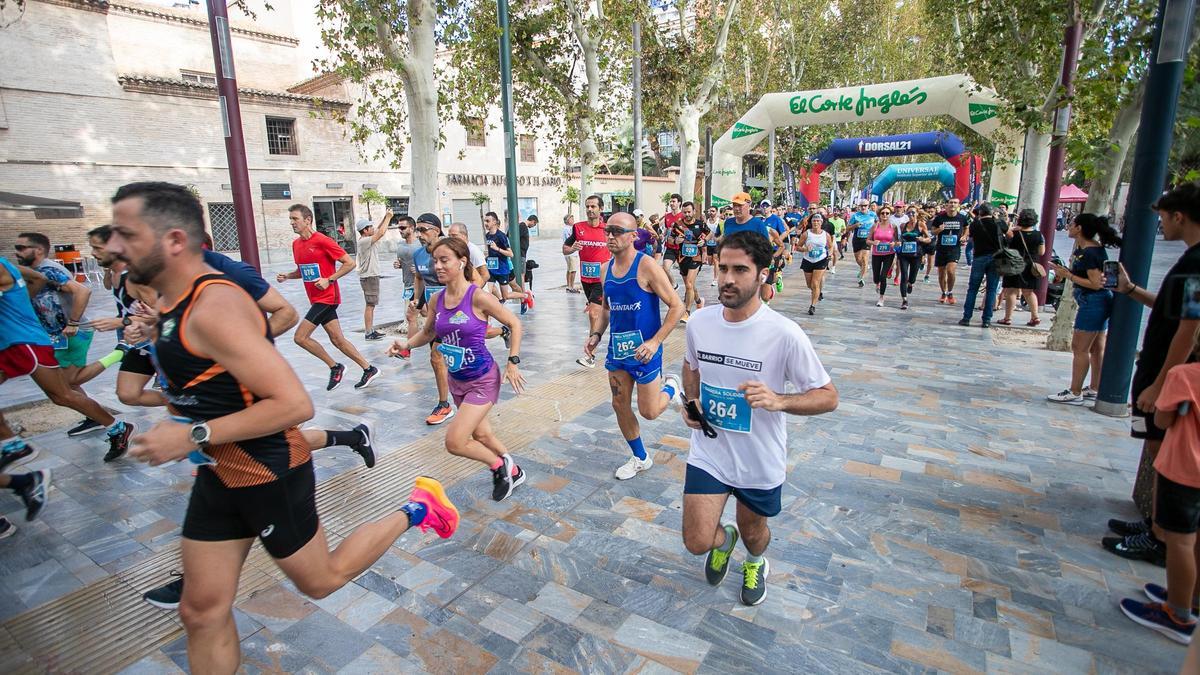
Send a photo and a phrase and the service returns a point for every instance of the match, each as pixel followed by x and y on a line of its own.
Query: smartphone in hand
pixel 1110 274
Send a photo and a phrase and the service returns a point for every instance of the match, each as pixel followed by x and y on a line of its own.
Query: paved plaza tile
pixel 944 519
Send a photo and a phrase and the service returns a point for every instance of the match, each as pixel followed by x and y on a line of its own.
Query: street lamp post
pixel 231 118
pixel 510 159
pixel 1151 152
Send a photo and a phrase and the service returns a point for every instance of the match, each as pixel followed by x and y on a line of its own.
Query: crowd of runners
pixel 196 332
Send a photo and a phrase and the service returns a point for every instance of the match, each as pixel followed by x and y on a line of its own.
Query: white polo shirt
pixel 750 450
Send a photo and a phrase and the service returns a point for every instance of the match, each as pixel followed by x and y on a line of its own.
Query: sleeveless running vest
pixel 200 389
pixel 463 337
pixel 19 324
pixel 817 244
pixel 632 312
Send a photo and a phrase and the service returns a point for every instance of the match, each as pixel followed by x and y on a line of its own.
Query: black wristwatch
pixel 200 433
pixel 126 322
pixel 514 360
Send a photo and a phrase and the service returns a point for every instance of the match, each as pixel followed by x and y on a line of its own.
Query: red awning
pixel 1071 195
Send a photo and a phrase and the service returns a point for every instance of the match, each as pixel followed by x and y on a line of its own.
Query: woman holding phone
pixel 1092 235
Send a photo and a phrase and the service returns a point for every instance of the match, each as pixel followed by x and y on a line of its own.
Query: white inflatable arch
pixel 955 95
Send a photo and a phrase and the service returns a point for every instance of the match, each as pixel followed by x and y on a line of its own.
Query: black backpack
pixel 1007 262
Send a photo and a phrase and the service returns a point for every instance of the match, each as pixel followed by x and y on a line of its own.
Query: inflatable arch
pixel 942 172
pixel 941 143
pixel 955 95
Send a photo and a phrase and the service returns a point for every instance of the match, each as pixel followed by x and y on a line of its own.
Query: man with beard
pixel 242 403
pixel 62 321
pixel 947 229
pixel 588 239
pixel 634 285
pixel 315 255
pixel 739 357
pixel 691 251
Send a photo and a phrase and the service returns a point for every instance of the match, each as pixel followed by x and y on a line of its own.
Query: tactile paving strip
pixel 106 625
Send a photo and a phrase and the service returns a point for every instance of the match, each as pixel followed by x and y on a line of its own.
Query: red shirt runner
pixel 670 220
pixel 594 252
pixel 316 257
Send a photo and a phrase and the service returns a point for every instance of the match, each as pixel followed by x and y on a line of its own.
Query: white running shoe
pixel 673 381
pixel 633 467
pixel 880 303
pixel 714 282
pixel 1065 396
pixel 586 361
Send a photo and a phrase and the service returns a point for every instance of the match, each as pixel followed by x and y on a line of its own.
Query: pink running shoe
pixel 441 514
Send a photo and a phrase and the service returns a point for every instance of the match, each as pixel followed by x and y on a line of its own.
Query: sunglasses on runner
pixel 21 247
pixel 616 231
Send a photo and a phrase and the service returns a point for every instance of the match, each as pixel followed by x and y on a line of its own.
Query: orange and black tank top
pixel 200 389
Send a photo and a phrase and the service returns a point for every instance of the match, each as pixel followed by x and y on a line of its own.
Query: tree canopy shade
pixel 955 95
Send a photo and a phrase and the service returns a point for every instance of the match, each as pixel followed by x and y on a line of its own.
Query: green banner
pixel 980 112
pixel 740 130
pixel 1004 198
pixel 720 202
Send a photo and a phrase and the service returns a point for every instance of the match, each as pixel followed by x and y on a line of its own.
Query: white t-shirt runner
pixel 750 450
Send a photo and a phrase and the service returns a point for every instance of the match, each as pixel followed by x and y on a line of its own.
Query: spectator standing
pixel 1092 234
pixel 1176 506
pixel 572 258
pixel 1165 344
pixel 986 233
pixel 368 268
pixel 1029 243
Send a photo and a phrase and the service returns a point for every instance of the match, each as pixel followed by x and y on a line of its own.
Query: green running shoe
pixel 754 582
pixel 779 285
pixel 716 563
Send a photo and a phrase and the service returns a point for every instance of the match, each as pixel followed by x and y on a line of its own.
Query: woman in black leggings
pixel 913 237
pixel 883 241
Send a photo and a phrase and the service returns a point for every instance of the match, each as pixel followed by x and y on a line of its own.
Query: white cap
pixel 362 224
pixel 638 213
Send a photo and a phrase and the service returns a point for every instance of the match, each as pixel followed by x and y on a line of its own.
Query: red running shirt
pixel 317 257
pixel 594 252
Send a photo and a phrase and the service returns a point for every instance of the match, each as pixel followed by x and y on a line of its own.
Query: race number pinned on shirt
pixel 624 344
pixel 58 341
pixel 430 290
pixel 949 240
pixel 310 271
pixel 725 408
pixel 455 356
pixel 690 250
pixel 493 263
pixel 591 270
pixel 908 247
pixel 409 293
pixel 815 254
pixel 883 248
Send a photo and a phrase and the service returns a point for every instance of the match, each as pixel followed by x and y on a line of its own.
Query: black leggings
pixel 909 264
pixel 881 270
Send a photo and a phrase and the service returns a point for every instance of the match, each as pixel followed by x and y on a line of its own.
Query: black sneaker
pixel 335 376
pixel 35 496
pixel 374 335
pixel 118 443
pixel 16 454
pixel 7 529
pixel 1123 528
pixel 1138 547
pixel 87 426
pixel 369 374
pixel 502 479
pixel 860 283
pixel 364 449
pixel 812 310
pixel 964 322
pixel 716 563
pixel 168 595
pixel 754 582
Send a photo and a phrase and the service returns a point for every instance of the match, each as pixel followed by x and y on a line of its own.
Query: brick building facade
pixel 96 94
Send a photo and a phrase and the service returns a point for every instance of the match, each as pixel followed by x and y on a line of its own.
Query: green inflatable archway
pixel 955 95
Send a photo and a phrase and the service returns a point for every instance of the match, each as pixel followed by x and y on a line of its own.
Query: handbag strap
pixel 1025 244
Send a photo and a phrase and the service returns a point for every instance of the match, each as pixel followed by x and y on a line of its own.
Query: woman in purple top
pixel 458 331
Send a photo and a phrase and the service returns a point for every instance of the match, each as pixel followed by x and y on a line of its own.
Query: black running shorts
pixel 1176 507
pixel 320 314
pixel 282 513
pixel 594 292
pixel 137 360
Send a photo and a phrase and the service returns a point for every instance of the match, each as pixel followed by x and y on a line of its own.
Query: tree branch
pixel 713 72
